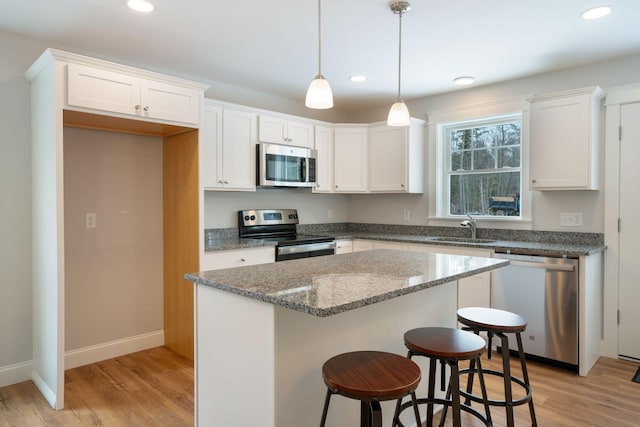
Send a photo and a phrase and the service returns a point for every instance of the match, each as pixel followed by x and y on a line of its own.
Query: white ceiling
pixel 271 46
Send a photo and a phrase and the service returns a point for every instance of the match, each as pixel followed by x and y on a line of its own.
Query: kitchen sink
pixel 461 240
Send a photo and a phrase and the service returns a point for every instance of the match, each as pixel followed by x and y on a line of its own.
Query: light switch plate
pixel 90 220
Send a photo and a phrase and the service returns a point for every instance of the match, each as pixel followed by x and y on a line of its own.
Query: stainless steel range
pixel 279 225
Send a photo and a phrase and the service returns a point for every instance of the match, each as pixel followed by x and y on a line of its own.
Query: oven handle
pixel 307 247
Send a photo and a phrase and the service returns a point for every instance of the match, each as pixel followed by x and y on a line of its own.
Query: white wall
pixel 547 206
pixel 221 207
pixel 113 272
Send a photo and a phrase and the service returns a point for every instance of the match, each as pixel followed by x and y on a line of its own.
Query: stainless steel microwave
pixel 281 165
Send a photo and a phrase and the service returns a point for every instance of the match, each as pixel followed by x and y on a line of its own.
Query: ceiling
pixel 271 46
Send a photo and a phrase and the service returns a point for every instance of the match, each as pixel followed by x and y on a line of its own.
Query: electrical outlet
pixel 90 220
pixel 329 213
pixel 406 215
pixel 571 219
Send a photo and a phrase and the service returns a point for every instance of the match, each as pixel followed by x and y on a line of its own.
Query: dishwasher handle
pixel 545 265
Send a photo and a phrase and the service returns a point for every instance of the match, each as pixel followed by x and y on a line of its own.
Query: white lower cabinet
pixel 344 246
pixel 473 291
pixel 217 260
pixel 362 245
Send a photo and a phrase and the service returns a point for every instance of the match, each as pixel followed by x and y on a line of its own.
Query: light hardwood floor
pixel 155 388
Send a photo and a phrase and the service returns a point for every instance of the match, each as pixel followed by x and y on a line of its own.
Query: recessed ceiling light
pixel 358 78
pixel 464 80
pixel 596 12
pixel 140 5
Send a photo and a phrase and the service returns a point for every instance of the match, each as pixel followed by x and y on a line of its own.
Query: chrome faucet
pixel 471 223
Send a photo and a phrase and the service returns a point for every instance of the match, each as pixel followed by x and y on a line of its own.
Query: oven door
pixel 305 250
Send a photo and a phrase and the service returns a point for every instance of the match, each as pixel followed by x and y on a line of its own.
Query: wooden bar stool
pixel 449 346
pixel 370 377
pixel 499 323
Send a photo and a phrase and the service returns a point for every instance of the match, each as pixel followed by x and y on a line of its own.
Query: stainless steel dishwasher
pixel 544 291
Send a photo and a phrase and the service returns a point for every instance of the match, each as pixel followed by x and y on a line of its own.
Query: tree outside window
pixel 483 171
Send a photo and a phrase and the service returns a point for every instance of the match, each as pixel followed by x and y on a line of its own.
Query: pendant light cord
pixel 319 41
pixel 399 53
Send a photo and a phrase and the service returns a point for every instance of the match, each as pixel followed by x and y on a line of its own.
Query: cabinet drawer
pixel 237 258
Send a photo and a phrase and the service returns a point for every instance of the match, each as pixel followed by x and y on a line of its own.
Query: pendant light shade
pixel 319 94
pixel 399 113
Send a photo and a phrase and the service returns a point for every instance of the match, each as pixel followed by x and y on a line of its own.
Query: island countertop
pixel 328 285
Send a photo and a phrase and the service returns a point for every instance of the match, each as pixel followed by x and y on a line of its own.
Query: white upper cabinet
pixel 324 161
pixel 227 149
pixel 283 131
pixel 351 159
pixel 128 94
pixel 396 158
pixel 564 140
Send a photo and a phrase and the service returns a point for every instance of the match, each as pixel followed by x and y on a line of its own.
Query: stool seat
pixel 371 375
pixel 444 343
pixel 492 319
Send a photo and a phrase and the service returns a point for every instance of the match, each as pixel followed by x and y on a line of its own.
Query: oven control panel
pixel 256 217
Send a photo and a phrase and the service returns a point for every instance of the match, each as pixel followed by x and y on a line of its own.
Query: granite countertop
pixel 328 285
pixel 569 249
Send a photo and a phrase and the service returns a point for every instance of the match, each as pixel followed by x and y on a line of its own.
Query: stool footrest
pixel 516 402
pixel 445 402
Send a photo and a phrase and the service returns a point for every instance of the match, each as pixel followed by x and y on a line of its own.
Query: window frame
pixel 438 163
pixel 447 128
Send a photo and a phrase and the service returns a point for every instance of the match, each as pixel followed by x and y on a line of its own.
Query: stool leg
pixel 485 398
pixel 431 392
pixel 326 408
pixel 365 414
pixel 375 413
pixel 415 409
pixel 508 396
pixel 525 377
pixel 472 367
pixel 455 393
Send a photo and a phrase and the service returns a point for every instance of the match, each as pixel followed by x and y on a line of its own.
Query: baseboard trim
pixel 109 350
pixel 48 394
pixel 16 373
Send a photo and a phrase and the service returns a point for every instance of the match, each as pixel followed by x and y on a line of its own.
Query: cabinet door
pixel 388 155
pixel 563 145
pixel 344 246
pixel 300 133
pixel 169 102
pixel 272 129
pixel 362 245
pixel 238 149
pixel 104 90
pixel 324 163
pixel 210 135
pixel 351 160
pixel 237 258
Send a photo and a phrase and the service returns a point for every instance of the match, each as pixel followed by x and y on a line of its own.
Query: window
pixel 482 172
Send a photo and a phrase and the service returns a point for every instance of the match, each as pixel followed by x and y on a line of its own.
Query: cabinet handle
pixel 137 107
pixel 146 108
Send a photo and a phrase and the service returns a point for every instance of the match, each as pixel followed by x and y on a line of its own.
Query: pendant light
pixel 399 113
pixel 319 95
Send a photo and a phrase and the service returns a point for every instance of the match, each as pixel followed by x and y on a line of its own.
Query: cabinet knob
pixel 242 260
pixel 226 182
pixel 220 181
pixel 533 181
pixel 402 185
pixel 137 107
pixel 146 108
pixel 336 186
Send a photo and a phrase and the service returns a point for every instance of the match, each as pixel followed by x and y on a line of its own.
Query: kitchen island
pixel 263 332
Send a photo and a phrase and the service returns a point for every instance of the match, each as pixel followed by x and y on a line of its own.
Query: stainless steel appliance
pixel 279 225
pixel 280 165
pixel 544 291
